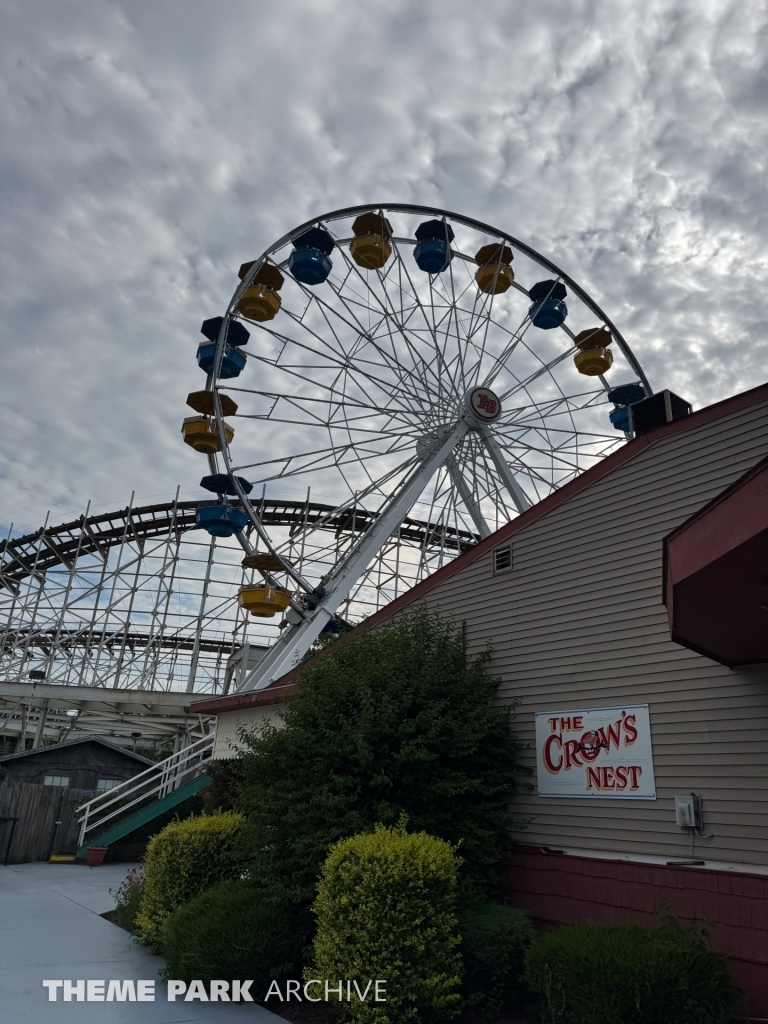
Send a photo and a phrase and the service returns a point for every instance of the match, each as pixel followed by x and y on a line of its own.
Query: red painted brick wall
pixel 557 888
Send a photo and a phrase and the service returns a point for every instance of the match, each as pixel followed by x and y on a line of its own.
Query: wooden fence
pixel 38 809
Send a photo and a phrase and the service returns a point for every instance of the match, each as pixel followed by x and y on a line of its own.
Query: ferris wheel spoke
pixel 428 321
pixel 411 291
pixel 335 413
pixel 423 370
pixel 547 433
pixel 419 388
pixel 358 497
pixel 426 362
pixel 367 334
pixel 515 455
pixel 368 290
pixel 468 498
pixel 338 361
pixel 340 400
pixel 429 371
pixel 477 319
pixel 491 488
pixel 517 338
pixel 542 370
pixel 520 498
pixel 337 457
pixel 443 328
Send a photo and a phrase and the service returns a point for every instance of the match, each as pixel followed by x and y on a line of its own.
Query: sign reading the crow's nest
pixel 603 752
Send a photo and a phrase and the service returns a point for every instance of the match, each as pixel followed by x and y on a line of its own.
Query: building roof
pixel 285 685
pixel 75 743
pixel 715 582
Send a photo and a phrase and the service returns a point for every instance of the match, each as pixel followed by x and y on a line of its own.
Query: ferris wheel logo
pixel 484 405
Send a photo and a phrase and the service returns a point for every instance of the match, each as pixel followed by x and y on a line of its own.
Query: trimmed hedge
pixel 494 940
pixel 233 931
pixel 183 861
pixel 593 974
pixel 385 910
pixel 401 719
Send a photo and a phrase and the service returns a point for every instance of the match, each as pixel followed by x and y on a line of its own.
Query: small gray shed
pixel 90 762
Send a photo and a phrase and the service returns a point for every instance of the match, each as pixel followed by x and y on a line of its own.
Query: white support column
pixel 40 725
pixel 296 640
pixel 21 745
pixel 467 497
pixel 201 618
pixel 519 496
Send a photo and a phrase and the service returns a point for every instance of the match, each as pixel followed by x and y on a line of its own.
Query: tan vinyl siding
pixel 227 743
pixel 578 622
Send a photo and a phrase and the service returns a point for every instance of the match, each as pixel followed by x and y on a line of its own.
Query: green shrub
pixel 184 860
pixel 494 940
pixel 127 897
pixel 233 931
pixel 220 794
pixel 385 910
pixel 593 974
pixel 397 720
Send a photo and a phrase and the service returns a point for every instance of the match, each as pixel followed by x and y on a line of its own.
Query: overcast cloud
pixel 150 148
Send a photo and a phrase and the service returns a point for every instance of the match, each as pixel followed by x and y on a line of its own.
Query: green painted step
pixel 146 814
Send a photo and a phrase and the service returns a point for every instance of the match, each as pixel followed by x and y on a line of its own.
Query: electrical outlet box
pixel 688 811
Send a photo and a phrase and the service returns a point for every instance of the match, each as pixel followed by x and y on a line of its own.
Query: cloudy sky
pixel 151 147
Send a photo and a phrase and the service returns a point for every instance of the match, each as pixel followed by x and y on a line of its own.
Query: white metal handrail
pixel 161 778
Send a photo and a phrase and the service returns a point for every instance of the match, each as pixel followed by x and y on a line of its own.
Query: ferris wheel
pixel 406 365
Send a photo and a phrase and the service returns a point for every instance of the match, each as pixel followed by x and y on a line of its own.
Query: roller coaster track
pixel 66 639
pixel 35 553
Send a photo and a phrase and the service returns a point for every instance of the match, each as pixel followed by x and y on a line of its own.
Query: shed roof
pixel 74 743
pixel 285 685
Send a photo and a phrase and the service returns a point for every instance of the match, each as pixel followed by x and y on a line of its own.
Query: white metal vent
pixel 502 559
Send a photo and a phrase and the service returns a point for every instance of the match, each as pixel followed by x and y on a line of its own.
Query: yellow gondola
pixel 263 600
pixel 260 300
pixel 594 357
pixel 495 274
pixel 259 303
pixel 370 247
pixel 200 433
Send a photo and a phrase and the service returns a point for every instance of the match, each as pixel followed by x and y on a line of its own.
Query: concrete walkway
pixel 50 929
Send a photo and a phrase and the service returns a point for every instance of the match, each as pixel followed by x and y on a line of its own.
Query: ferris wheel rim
pixel 411 209
pixel 470 222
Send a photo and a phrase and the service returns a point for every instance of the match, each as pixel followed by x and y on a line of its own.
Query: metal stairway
pixel 156 790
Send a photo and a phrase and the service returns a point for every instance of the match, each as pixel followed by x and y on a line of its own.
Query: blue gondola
pixel 221 520
pixel 626 394
pixel 236 333
pixel 433 253
pixel 620 418
pixel 309 261
pixel 222 483
pixel 623 396
pixel 548 309
pixel 232 362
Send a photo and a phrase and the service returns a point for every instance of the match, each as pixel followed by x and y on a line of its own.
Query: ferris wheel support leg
pixel 296 640
pixel 467 497
pixel 519 496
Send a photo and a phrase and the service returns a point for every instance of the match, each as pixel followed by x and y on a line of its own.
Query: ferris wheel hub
pixel 482 406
